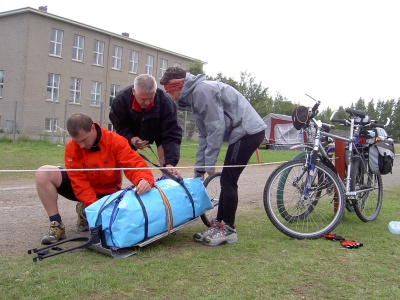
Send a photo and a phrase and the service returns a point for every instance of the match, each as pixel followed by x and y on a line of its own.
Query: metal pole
pixel 15 120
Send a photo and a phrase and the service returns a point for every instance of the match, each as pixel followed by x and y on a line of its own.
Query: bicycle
pixel 213 188
pixel 305 198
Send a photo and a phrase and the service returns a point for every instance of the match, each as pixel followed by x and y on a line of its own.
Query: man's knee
pixel 47 173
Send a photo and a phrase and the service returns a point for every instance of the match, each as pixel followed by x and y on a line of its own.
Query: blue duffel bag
pixel 127 218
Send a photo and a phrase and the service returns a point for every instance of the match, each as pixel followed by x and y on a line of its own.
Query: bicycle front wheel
pixel 369 191
pixel 303 205
pixel 213 187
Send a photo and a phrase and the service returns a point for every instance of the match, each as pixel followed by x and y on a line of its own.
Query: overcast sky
pixel 335 51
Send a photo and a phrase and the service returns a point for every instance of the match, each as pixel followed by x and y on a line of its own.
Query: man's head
pixel 144 90
pixel 82 130
pixel 172 80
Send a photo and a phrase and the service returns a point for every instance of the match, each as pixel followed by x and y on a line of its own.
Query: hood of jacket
pixel 191 81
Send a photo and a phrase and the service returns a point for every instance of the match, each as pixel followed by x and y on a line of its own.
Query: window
pixel 56 42
pixel 95 94
pixel 148 69
pixel 53 87
pixel 163 66
pixel 75 88
pixel 177 64
pixel 98 52
pixel 50 124
pixel 133 62
pixel 77 48
pixel 114 89
pixel 1 83
pixel 117 58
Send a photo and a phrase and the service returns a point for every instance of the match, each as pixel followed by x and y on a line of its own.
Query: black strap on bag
pixel 146 218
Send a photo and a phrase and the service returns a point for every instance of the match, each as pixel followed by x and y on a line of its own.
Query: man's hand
pixel 174 171
pixel 143 187
pixel 139 143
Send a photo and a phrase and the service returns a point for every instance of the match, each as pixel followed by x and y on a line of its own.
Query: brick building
pixel 52 67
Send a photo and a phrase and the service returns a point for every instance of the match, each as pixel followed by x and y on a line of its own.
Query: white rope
pixel 144 168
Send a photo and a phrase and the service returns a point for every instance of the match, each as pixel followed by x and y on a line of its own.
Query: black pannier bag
pixel 300 116
pixel 381 157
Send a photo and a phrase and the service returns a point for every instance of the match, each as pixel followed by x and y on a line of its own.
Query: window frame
pixel 98 53
pixel 56 39
pixel 75 90
pixel 50 124
pixel 53 87
pixel 133 62
pixel 1 83
pixel 149 65
pixel 163 66
pixel 114 89
pixel 95 93
pixel 117 58
pixel 78 46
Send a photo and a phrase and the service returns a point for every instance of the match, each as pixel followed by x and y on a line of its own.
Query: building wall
pixel 26 62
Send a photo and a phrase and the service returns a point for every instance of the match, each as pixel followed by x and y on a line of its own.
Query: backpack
pixel 381 158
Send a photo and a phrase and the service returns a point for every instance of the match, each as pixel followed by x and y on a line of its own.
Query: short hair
pixel 79 121
pixel 145 82
pixel 173 73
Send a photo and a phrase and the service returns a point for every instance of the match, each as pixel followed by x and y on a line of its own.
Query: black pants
pixel 238 153
pixel 65 189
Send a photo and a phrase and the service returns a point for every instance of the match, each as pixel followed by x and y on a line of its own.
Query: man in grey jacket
pixel 222 114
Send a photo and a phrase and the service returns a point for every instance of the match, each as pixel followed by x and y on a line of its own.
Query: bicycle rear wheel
pixel 213 187
pixel 301 205
pixel 369 191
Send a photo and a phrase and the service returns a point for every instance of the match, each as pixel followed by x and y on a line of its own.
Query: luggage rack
pixel 95 241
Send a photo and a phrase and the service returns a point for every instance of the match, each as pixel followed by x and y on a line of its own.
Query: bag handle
pixel 168 211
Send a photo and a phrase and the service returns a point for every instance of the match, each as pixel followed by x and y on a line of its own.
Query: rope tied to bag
pixel 168 211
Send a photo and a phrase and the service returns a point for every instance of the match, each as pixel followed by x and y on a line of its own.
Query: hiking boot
pixel 214 227
pixel 56 233
pixel 226 235
pixel 82 223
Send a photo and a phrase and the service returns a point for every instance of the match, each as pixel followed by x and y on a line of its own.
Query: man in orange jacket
pixel 91 147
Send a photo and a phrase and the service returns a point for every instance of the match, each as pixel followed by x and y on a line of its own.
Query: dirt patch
pixel 23 220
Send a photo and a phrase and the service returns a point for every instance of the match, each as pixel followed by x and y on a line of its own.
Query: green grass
pixel 264 264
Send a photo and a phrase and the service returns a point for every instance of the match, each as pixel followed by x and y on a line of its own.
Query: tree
pixel 360 105
pixel 371 111
pixel 196 67
pixel 254 92
pixel 394 127
pixel 282 105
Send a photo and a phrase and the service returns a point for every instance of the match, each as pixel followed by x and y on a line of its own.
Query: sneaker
pixel 82 223
pixel 226 235
pixel 214 227
pixel 56 233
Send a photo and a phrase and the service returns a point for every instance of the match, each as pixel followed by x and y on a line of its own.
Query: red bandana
pixel 174 85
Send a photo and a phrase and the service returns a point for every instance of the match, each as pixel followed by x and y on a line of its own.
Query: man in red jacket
pixel 91 147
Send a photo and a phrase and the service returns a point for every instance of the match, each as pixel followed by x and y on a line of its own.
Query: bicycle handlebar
pixel 375 125
pixel 357 113
pixel 341 121
pixel 314 109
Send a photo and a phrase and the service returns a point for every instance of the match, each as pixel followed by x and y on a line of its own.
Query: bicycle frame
pixel 353 151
